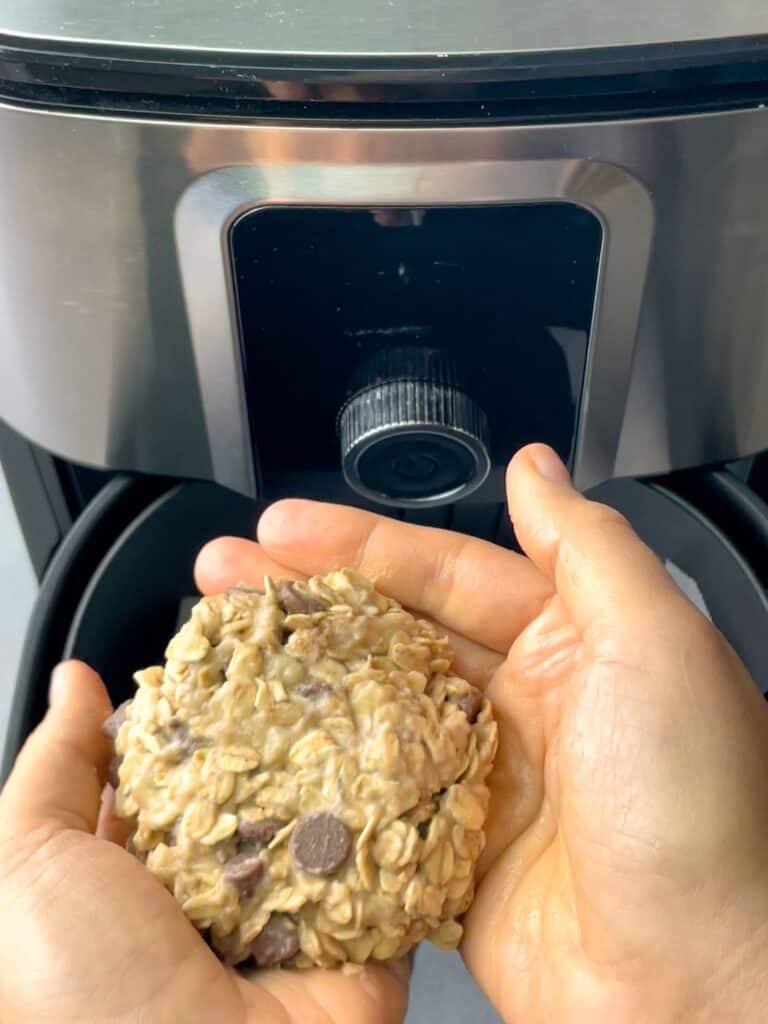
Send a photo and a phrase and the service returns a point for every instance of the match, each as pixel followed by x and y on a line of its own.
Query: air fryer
pixel 363 253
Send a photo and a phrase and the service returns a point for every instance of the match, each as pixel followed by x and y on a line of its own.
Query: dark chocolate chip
pixel 113 778
pixel 111 726
pixel 181 746
pixel 470 703
pixel 423 828
pixel 313 689
pixel 180 737
pixel 244 870
pixel 277 941
pixel 178 731
pixel 294 602
pixel 257 834
pixel 320 844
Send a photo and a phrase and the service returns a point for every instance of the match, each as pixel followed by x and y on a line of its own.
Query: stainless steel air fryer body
pixel 137 140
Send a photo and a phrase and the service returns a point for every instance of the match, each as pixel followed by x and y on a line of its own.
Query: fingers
pixel 599 565
pixel 59 775
pixel 110 827
pixel 373 994
pixel 231 560
pixel 227 561
pixel 470 586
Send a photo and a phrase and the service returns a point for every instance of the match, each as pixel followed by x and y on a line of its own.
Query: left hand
pixel 88 936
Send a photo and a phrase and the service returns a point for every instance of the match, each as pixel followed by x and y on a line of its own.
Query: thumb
pixel 59 775
pixel 598 564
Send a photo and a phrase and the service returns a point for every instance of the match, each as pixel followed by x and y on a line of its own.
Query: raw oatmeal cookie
pixel 306 776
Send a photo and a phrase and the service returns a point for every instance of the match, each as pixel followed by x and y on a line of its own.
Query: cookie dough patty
pixel 306 775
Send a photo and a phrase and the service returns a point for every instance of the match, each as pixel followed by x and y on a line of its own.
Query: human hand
pixel 626 873
pixel 88 936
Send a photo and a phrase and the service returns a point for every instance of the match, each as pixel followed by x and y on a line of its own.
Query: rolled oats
pixel 306 776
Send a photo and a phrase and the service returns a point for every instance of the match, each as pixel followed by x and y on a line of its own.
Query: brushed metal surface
pixel 381 27
pixel 438 167
pixel 98 361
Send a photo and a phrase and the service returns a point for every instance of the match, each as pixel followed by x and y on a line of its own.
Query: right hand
pixel 636 888
pixel 626 874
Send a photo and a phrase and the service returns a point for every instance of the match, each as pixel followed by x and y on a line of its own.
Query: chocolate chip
pixel 257 834
pixel 178 731
pixel 313 689
pixel 294 602
pixel 470 703
pixel 180 737
pixel 423 828
pixel 111 726
pixel 320 844
pixel 244 870
pixel 113 777
pixel 277 941
pixel 179 742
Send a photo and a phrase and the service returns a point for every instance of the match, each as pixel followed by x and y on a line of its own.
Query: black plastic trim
pixel 739 512
pixel 41 505
pixel 552 87
pixel 69 573
pixel 757 474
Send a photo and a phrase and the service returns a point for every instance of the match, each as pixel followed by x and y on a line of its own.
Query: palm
pixel 126 926
pixel 525 930
pixel 129 927
pixel 603 797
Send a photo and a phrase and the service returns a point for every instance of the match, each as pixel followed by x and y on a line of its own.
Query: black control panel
pixel 505 293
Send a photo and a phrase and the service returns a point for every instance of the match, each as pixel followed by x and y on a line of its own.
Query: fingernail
pixel 275 521
pixel 549 465
pixel 56 686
